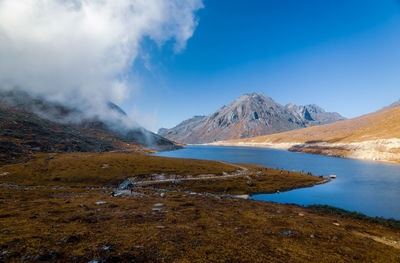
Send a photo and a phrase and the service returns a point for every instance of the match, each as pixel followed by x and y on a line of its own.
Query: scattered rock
pixel 278 211
pixel 127 184
pixel 4 174
pixel 162 195
pixel 312 236
pixel 84 207
pixel 99 260
pixel 26 257
pixel 53 255
pixel 301 214
pixel 242 196
pixel 336 224
pixel 69 239
pixel 105 248
pixel 250 183
pixel 105 165
pixel 197 243
pixel 49 158
pixel 101 203
pixel 38 257
pixel 159 205
pixel 286 233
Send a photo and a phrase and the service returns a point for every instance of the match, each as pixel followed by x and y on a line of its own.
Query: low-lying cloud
pixel 79 51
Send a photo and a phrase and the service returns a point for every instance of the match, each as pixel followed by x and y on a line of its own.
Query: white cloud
pixel 80 50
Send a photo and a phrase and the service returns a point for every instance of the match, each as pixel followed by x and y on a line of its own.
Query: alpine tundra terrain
pixel 68 208
pixel 374 136
pixel 248 116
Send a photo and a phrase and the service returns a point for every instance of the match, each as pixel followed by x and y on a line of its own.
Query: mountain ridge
pixel 373 136
pixel 31 124
pixel 248 116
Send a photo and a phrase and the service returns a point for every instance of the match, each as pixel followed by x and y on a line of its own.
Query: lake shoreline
pixel 149 225
pixel 377 182
pixel 348 151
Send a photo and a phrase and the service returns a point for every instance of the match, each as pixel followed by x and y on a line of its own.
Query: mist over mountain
pixel 248 116
pixel 30 124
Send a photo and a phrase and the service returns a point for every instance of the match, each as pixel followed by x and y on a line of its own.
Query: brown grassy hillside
pixel 374 136
pixel 384 124
pixel 50 217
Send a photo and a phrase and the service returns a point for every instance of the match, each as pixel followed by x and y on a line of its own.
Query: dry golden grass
pixel 263 180
pixel 374 136
pixel 107 169
pixel 187 229
pixel 384 124
pixel 65 225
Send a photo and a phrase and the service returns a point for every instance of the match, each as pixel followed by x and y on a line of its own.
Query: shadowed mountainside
pixel 248 116
pixel 30 125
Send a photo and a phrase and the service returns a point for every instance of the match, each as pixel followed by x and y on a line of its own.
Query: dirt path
pixel 243 171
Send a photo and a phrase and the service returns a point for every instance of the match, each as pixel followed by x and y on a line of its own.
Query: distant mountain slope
pixel 30 125
pixel 374 136
pixel 22 132
pixel 396 104
pixel 248 116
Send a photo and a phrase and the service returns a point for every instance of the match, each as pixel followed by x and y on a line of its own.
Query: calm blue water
pixel 367 187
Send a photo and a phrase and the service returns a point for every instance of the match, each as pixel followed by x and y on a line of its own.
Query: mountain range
pixel 373 136
pixel 248 116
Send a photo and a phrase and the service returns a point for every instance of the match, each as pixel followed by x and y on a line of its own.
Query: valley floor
pixel 66 208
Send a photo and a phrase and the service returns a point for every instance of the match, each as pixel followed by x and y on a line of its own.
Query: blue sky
pixel 342 55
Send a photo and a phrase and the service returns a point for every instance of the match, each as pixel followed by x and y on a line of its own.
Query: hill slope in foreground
pixel 374 136
pixel 66 208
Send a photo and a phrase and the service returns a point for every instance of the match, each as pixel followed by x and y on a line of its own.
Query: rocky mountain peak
pixel 250 115
pixel 396 104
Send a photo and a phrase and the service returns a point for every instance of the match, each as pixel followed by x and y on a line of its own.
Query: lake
pixel 367 187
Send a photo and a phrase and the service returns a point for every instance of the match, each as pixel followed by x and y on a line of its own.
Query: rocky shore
pixel 384 150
